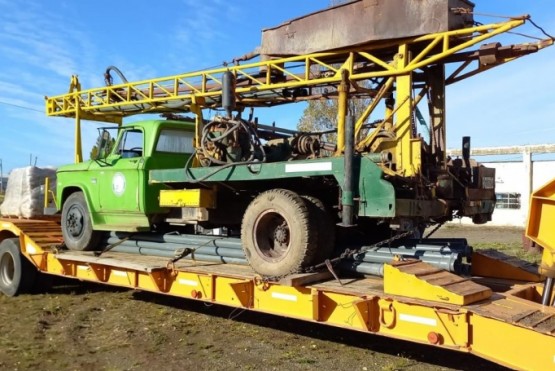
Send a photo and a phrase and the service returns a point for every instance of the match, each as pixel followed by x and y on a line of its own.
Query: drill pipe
pixel 451 262
pixel 454 244
pixel 185 239
pixel 373 269
pixel 171 254
pixel 206 250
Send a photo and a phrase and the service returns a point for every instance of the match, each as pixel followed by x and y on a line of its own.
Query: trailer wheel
pixel 76 224
pixel 279 237
pixel 326 228
pixel 17 274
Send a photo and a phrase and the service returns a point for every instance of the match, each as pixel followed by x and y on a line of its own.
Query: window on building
pixel 507 201
pixel 175 141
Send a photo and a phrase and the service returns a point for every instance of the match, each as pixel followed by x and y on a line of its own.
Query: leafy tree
pixel 321 115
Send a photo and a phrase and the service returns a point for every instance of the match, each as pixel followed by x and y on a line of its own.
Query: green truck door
pixel 121 184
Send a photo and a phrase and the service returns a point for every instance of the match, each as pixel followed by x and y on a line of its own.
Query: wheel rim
pixel 7 269
pixel 74 221
pixel 272 235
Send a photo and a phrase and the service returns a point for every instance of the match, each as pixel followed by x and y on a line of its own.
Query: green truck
pixel 284 201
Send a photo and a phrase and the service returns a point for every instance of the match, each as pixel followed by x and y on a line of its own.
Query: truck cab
pixel 114 192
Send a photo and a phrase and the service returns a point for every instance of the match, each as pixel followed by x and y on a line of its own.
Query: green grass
pixel 513 249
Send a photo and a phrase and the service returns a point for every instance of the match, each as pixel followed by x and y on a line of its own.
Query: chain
pixel 348 253
pixel 438 226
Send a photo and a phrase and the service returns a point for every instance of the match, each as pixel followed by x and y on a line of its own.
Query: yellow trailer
pixel 487 314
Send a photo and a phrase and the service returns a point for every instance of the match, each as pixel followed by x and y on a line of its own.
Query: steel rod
pixel 547 291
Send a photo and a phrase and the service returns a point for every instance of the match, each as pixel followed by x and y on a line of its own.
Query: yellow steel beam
pixel 385 89
pixel 175 93
pixel 539 226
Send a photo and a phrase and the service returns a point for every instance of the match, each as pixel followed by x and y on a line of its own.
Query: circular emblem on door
pixel 118 184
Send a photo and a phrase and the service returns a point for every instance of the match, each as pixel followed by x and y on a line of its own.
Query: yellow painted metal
pixel 540 225
pixel 408 163
pixel 236 292
pixel 277 299
pixel 385 89
pixel 155 95
pixel 199 197
pixel 78 141
pixel 532 351
pixel 46 191
pixel 491 263
pixel 423 281
pixel 507 328
pixel 416 322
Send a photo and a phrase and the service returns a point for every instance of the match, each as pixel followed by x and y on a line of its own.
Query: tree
pixel 321 115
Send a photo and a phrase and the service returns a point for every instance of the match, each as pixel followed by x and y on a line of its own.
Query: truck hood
pixel 75 167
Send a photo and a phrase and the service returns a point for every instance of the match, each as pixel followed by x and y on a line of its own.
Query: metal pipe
pixel 277 129
pixel 381 157
pixel 547 291
pixel 412 252
pixel 218 241
pixel 170 254
pixel 450 262
pixel 228 93
pixel 365 268
pixel 204 250
pixel 347 199
pixel 168 245
pixel 342 102
pixel 444 249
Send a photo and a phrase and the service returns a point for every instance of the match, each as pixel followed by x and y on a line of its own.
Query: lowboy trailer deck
pixel 496 318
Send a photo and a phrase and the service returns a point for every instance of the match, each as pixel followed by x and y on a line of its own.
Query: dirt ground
pixel 79 326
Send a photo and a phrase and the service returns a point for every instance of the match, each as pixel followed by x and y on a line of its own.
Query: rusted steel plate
pixel 363 22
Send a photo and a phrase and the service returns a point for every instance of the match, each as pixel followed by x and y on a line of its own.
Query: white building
pixel 515 179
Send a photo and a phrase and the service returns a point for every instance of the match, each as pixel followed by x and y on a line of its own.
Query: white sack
pixel 25 191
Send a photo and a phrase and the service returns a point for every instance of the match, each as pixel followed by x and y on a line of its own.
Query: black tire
pixel 77 226
pixel 326 228
pixel 17 274
pixel 278 235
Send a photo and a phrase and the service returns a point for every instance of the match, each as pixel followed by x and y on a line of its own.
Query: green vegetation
pixel 510 248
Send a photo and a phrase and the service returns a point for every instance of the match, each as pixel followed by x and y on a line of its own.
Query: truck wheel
pixel 76 224
pixel 326 228
pixel 279 237
pixel 17 274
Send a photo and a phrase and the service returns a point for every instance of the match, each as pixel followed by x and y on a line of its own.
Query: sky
pixel 44 42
